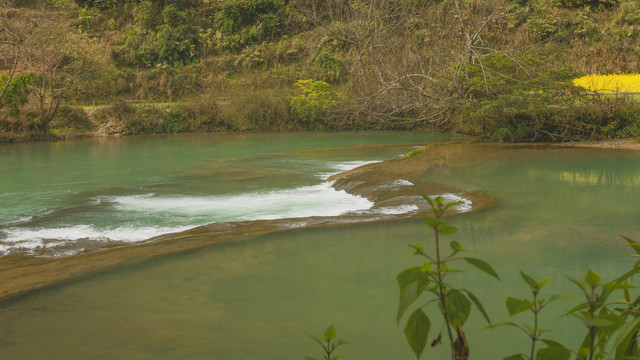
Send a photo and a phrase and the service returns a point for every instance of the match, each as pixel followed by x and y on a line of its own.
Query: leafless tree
pixel 60 58
pixel 17 31
pixel 414 55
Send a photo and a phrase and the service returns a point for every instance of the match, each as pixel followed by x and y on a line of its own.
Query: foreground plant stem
pixel 441 293
pixel 534 334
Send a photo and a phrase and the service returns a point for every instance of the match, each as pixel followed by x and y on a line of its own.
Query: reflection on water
pixel 603 178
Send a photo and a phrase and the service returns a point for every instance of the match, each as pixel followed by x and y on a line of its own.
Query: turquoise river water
pixel 558 212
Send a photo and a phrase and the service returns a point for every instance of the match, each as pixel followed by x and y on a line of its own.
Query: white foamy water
pixel 396 210
pixel 123 234
pixel 135 218
pixel 56 240
pixel 340 167
pixel 316 200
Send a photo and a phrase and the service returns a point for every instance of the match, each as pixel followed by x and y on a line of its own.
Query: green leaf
pixel 634 245
pixel 408 296
pixel 330 333
pixel 482 265
pixel 563 297
pixel 544 282
pixel 411 275
pixel 411 283
pixel 426 267
pixel 579 283
pixel 529 280
pixel 447 230
pixel 418 247
pixel 552 343
pixel 430 201
pixel 317 339
pixel 553 353
pixel 628 274
pixel 529 328
pixel 433 222
pixel 453 203
pixel 458 308
pixel 478 304
pixel 417 331
pixel 516 306
pixel 625 337
pixel 591 278
pixel 593 321
pixel 577 308
pixel 455 246
pixel 617 322
pixel 627 295
pixel 516 357
pixel 612 286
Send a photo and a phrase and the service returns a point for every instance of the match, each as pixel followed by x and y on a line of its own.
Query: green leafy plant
pixel 329 343
pixel 17 91
pixel 594 314
pixel 603 320
pixel 316 100
pixel 430 278
pixel 554 350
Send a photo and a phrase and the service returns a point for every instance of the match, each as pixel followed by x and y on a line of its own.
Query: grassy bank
pixel 496 69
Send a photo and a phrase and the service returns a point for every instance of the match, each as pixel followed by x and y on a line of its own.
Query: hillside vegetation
pixel 500 69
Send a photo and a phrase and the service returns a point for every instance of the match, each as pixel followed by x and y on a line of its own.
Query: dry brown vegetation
pixel 497 68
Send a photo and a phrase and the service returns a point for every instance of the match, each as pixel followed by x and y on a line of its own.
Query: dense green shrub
pixel 333 69
pixel 316 100
pixel 70 121
pixel 17 92
pixel 537 116
pixel 244 22
pixel 164 35
pixel 175 121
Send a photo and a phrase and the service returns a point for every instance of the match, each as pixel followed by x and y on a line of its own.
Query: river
pixel 557 212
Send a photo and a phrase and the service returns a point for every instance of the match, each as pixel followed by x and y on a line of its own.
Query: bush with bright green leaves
pixel 17 93
pixel 316 100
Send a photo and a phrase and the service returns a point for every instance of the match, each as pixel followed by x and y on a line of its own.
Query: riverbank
pixel 627 144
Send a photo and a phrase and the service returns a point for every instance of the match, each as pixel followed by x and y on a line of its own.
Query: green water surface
pixel 558 213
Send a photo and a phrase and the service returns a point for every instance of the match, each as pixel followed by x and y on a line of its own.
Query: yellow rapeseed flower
pixel 610 84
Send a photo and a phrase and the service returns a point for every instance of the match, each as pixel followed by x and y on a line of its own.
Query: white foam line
pixel 341 167
pixel 317 200
pixel 34 238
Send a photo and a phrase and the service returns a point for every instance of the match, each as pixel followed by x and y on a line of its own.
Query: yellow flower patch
pixel 610 84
